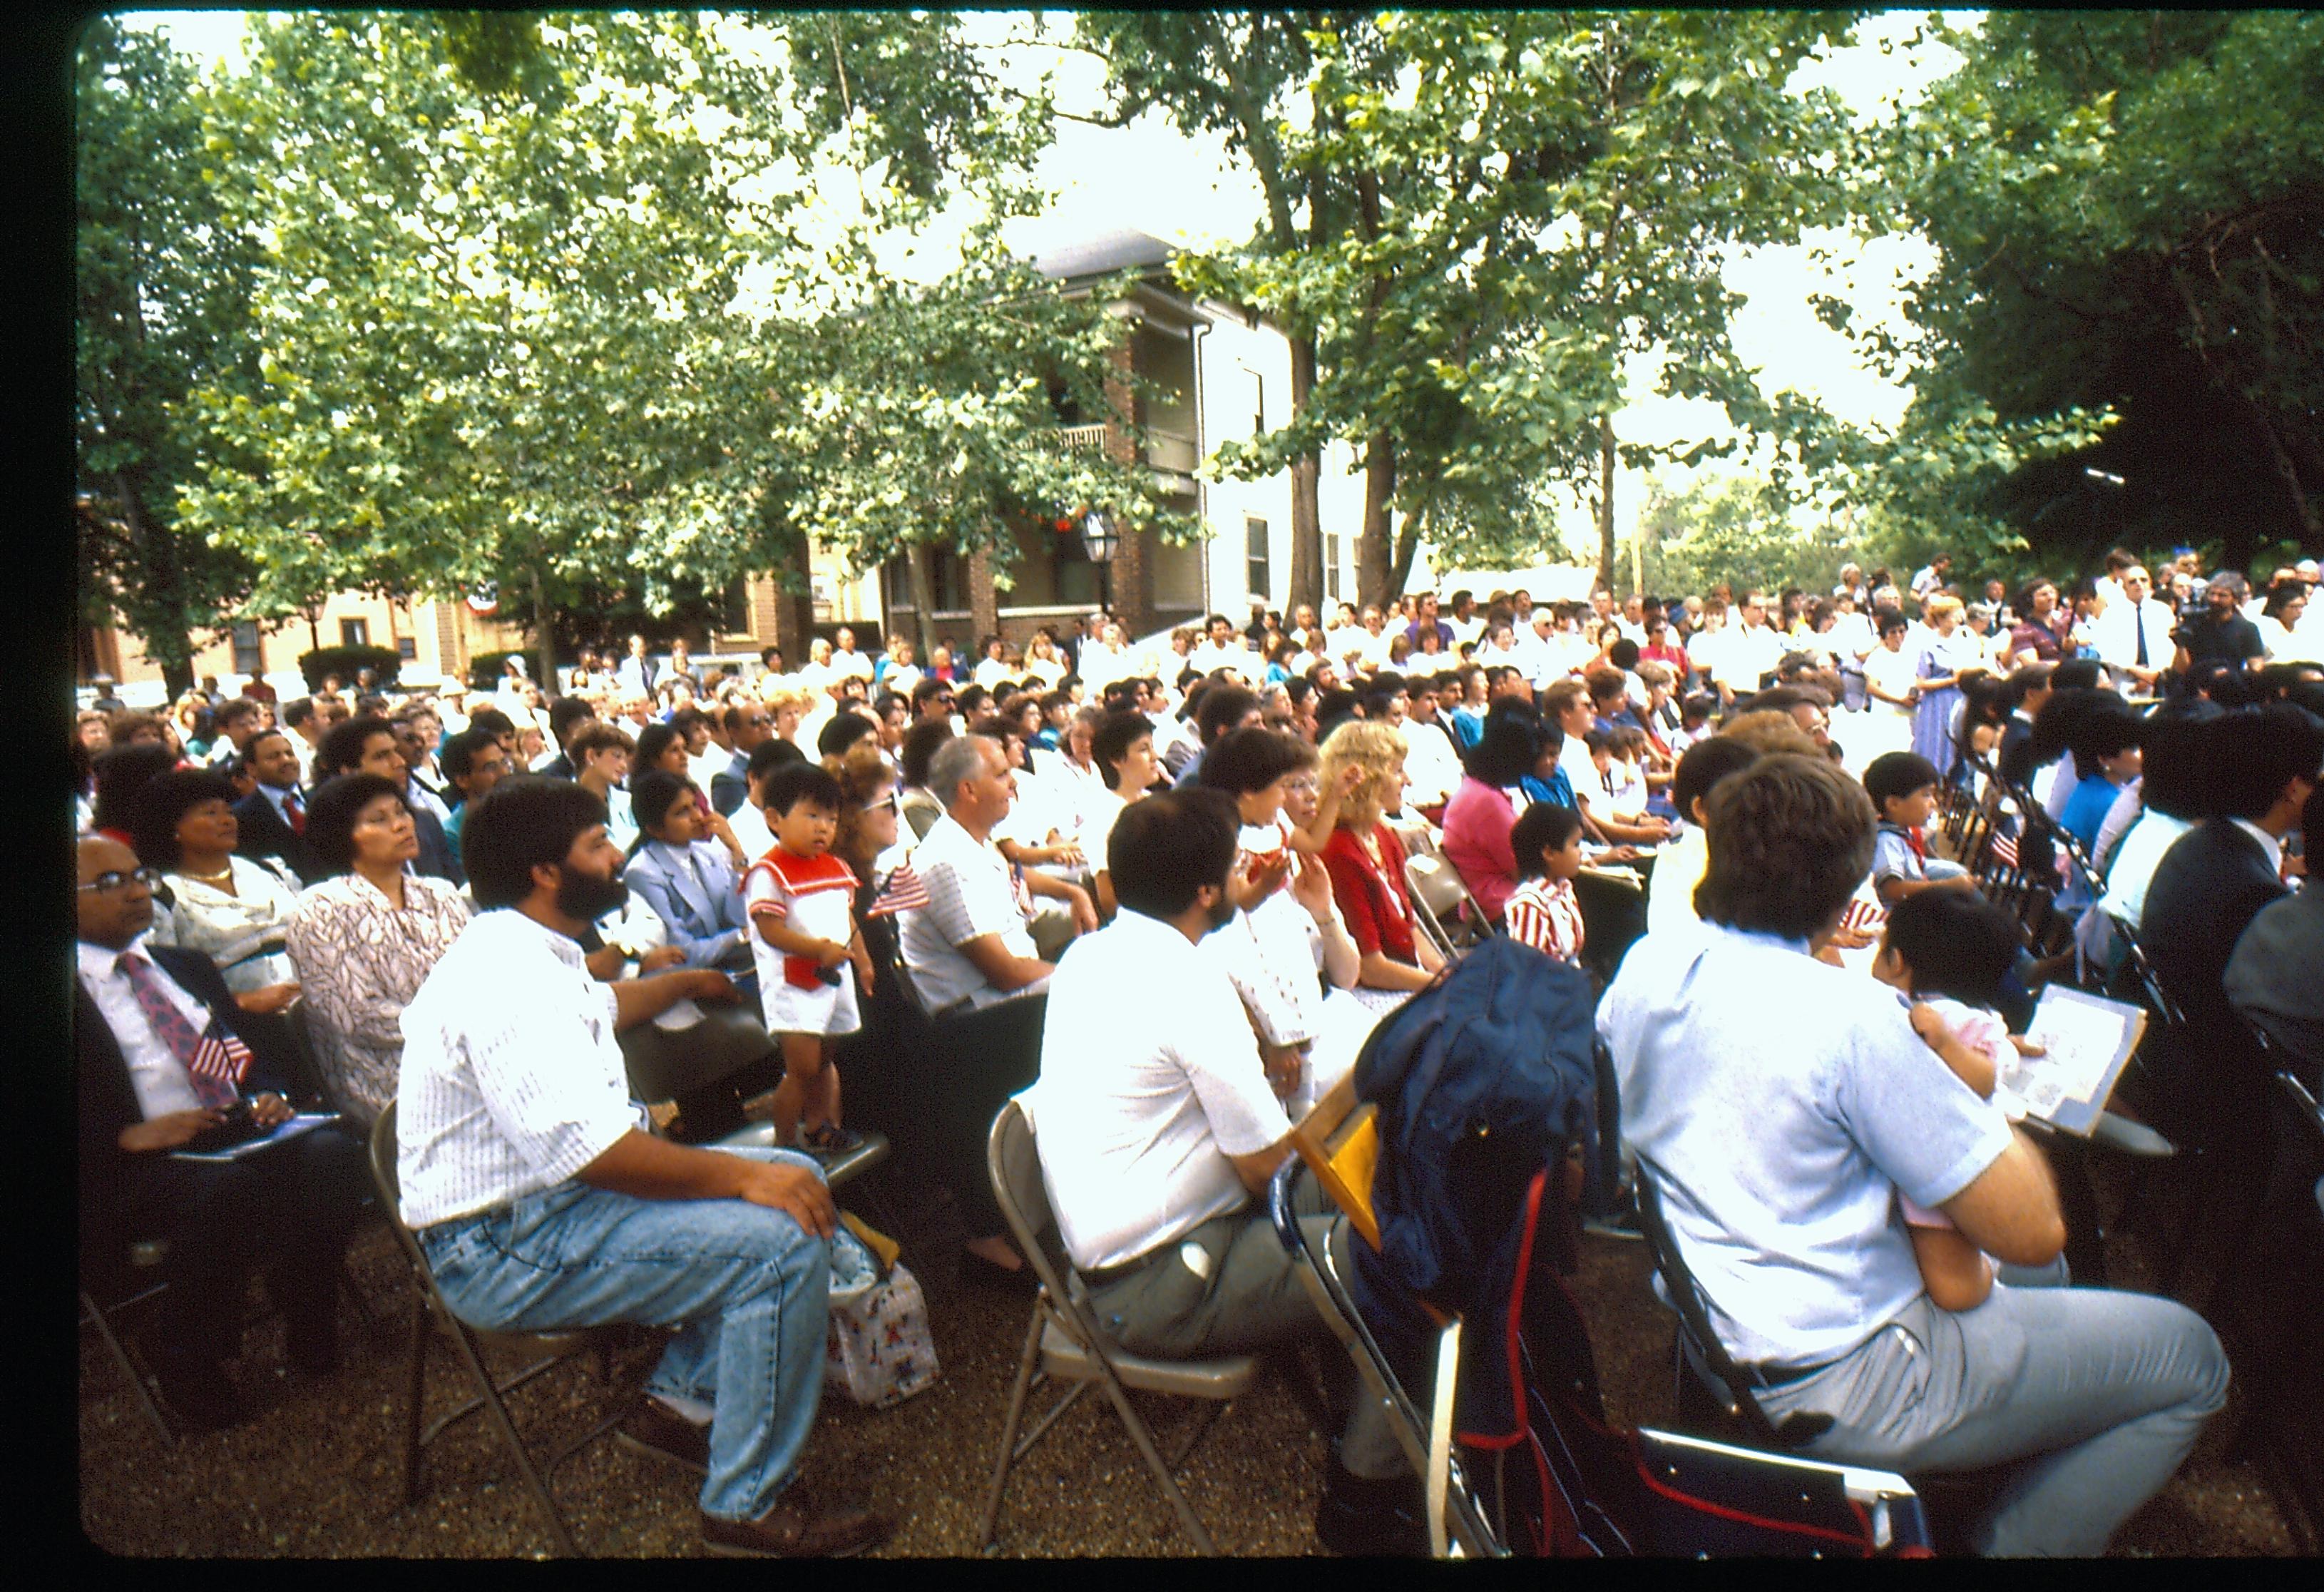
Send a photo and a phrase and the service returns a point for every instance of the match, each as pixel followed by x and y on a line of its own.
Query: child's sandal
pixel 830 1139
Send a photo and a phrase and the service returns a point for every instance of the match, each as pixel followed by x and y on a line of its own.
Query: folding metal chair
pixel 1449 914
pixel 432 1317
pixel 1644 1491
pixel 120 1283
pixel 1064 1343
pixel 1337 1143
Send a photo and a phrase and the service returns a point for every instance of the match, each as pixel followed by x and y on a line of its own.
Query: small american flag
pixel 2005 850
pixel 902 892
pixel 1862 916
pixel 220 1055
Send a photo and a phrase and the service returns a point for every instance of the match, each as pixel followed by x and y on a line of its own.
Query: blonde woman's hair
pixel 783 696
pixel 1938 607
pixel 1374 748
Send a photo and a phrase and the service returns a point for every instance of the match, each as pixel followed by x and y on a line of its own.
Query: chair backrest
pixel 391 1199
pixel 1014 1163
pixel 1687 1298
pixel 1339 1143
pixel 383 1161
pixel 1423 877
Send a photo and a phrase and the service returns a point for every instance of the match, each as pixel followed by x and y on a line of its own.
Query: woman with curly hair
pixel 232 909
pixel 1367 863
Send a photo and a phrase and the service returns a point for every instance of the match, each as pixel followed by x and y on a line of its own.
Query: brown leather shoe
pixel 660 1432
pixel 798 1529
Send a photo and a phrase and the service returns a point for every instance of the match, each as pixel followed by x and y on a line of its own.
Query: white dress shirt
pixel 1138 1107
pixel 2115 634
pixel 512 1080
pixel 155 1072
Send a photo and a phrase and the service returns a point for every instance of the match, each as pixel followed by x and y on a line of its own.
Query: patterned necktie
pixel 214 1060
pixel 295 811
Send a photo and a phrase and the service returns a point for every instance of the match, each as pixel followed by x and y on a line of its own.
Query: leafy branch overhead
pixel 550 300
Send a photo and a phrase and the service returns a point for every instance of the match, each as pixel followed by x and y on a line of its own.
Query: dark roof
pixel 1103 256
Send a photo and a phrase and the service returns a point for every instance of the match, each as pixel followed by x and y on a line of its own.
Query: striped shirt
pixel 512 1080
pixel 1544 914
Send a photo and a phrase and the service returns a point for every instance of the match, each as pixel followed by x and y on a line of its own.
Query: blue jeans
pixel 2096 1396
pixel 745 1285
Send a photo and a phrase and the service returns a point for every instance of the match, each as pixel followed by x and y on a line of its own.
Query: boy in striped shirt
pixel 1543 912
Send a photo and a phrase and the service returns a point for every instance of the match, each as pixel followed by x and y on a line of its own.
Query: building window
pixel 950 571
pixel 248 658
pixel 354 632
pixel 1332 564
pixel 407 648
pixel 1254 537
pixel 734 607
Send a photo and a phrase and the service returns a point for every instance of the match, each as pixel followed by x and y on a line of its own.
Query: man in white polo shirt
pixel 970 955
pixel 541 1204
pixel 1157 1137
pixel 972 945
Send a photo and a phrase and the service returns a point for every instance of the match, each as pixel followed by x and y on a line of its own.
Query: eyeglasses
pixel 113 880
pixel 885 803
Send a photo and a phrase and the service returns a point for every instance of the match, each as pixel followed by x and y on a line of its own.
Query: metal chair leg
pixel 1007 1457
pixel 415 1391
pixel 121 1358
pixel 1144 1439
pixel 498 1410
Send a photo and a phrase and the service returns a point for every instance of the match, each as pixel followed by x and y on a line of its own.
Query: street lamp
pixel 1101 540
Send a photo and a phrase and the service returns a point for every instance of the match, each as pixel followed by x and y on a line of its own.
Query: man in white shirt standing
pixel 846 663
pixel 1157 1137
pixel 1467 625
pixel 2133 636
pixel 541 1204
pixel 1751 653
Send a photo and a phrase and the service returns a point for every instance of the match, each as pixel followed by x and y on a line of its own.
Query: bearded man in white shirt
pixel 542 1204
pixel 1158 1138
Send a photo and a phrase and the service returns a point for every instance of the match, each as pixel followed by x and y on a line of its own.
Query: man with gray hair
pixel 972 945
pixel 969 948
pixel 2219 632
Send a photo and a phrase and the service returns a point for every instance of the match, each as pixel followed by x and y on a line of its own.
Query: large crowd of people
pixel 1162 893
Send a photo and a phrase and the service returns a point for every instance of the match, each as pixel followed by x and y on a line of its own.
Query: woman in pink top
pixel 1481 813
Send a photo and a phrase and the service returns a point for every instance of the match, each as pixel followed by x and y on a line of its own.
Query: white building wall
pixel 1246 380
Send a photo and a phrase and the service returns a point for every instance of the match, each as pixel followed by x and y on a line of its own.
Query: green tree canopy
pixel 163 278
pixel 1533 199
pixel 2128 208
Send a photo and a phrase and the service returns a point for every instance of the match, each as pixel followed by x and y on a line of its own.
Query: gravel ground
pixel 316 1474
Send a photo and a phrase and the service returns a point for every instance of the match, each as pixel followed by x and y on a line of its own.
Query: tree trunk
pixel 1606 501
pixel 1407 548
pixel 544 631
pixel 1375 552
pixel 1306 469
pixel 920 561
